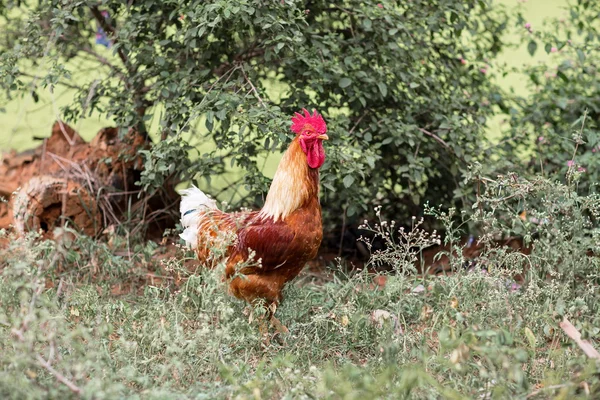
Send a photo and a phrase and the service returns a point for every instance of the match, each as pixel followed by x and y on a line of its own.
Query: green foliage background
pixel 406 116
pixel 407 90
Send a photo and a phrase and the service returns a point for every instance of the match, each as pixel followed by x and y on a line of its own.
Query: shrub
pixel 556 126
pixel 404 88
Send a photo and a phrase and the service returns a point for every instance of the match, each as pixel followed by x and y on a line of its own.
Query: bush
pixel 404 88
pixel 556 126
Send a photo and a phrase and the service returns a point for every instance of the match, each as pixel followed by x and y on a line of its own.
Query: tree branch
pixel 436 137
pixel 59 377
pixel 108 28
pixel 253 88
pixel 104 61
pixel 241 57
pixel 140 103
pixel 358 121
pixel 65 84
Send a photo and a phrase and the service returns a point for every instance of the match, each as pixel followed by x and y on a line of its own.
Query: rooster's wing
pixel 272 243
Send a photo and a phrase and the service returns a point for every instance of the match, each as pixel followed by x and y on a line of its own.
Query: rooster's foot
pixel 279 327
pixel 275 322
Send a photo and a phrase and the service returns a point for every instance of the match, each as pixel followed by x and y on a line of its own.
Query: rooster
pixel 263 250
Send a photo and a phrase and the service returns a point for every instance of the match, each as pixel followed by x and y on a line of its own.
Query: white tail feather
pixel 193 202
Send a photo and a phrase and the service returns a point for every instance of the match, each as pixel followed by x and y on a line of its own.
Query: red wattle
pixel 315 154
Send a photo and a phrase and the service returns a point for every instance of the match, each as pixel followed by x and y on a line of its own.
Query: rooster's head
pixel 311 131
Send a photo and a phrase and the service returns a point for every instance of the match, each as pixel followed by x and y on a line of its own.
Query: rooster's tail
pixel 193 202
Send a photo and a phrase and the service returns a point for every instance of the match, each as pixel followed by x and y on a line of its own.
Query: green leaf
pixel 351 210
pixel 382 88
pixel 562 76
pixel 532 47
pixel 221 114
pixel 348 181
pixel 344 82
pixel 581 56
pixel 328 186
pixel 531 338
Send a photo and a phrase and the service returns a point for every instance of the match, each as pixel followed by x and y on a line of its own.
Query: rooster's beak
pixel 323 137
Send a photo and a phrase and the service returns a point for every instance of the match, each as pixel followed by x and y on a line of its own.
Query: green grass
pixel 126 320
pixel 84 318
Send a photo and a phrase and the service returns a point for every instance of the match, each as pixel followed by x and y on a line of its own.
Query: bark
pixel 47 202
pixel 66 180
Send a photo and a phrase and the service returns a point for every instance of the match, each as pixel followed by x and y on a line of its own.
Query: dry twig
pixel 536 392
pixel 59 377
pixel 436 137
pixel 256 94
pixel 574 334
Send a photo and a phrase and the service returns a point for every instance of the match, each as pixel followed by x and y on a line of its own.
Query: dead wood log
pixel 46 203
pixel 91 185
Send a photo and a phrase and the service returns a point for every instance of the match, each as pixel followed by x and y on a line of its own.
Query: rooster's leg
pixel 275 322
pixel 263 329
pixel 262 319
pixel 249 312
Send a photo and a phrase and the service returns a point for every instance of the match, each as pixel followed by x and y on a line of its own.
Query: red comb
pixel 314 122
